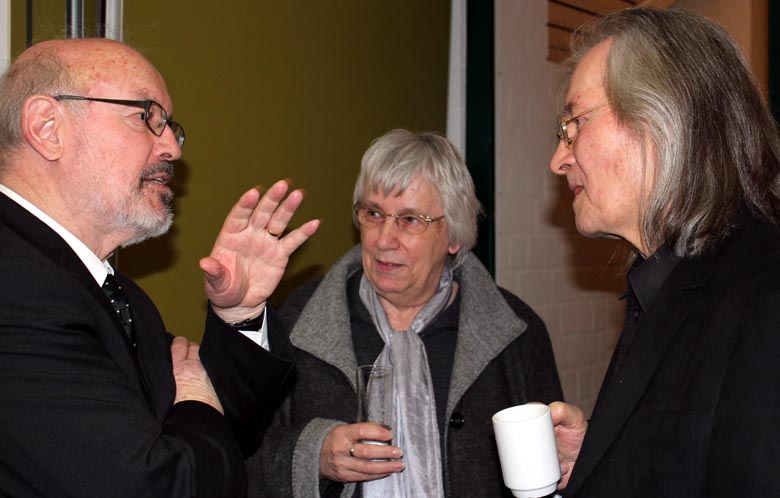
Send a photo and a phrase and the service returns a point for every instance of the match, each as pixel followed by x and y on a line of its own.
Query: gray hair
pixel 43 74
pixel 681 82
pixel 396 158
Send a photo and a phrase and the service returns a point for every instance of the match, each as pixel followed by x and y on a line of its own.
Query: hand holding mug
pixel 570 426
pixel 527 450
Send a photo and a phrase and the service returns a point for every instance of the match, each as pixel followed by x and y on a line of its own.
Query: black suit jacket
pixel 82 415
pixel 693 409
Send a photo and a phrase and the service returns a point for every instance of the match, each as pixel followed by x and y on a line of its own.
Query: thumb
pixel 565 414
pixel 213 271
pixel 179 348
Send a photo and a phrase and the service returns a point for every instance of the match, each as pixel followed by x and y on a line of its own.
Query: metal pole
pixel 114 19
pixel 75 19
pixel 5 37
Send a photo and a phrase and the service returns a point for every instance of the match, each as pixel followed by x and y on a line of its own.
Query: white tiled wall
pixel 572 282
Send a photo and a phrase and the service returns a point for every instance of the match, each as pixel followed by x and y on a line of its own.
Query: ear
pixel 41 121
pixel 454 249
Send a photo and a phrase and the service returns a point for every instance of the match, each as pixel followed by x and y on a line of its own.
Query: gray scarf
pixel 415 429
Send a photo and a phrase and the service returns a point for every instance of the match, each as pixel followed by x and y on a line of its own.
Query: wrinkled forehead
pixel 114 70
pixel 588 78
pixel 416 190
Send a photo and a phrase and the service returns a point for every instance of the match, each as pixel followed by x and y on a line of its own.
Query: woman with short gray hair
pixel 413 296
pixel 392 162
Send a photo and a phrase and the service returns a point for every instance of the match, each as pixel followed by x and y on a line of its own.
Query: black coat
pixel 80 414
pixel 695 406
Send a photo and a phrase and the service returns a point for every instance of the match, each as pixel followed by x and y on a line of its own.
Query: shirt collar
pixel 97 268
pixel 646 276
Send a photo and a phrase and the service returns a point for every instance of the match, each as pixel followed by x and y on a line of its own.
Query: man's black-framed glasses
pixel 155 116
pixel 411 223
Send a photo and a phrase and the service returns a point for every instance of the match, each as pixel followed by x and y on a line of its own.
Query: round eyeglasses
pixel 411 223
pixel 155 116
pixel 567 127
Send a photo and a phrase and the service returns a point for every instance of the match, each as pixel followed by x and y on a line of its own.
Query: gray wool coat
pixel 503 357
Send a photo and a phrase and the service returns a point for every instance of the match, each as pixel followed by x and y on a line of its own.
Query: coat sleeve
pixel 74 420
pixel 287 463
pixel 249 379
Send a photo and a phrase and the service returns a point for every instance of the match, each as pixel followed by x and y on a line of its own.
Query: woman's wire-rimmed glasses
pixel 155 116
pixel 411 223
pixel 567 135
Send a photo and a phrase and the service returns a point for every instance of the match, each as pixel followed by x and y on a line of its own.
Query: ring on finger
pixel 272 234
pixel 352 451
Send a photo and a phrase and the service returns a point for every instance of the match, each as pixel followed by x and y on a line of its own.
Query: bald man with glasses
pixel 97 400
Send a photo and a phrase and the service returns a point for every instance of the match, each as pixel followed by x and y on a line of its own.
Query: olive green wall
pixel 278 89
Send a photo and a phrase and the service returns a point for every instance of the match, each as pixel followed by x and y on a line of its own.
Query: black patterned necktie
pixel 116 295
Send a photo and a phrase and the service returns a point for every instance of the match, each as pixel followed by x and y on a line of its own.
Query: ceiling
pixel 563 16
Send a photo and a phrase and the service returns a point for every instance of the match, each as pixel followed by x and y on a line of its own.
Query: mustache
pixel 157 168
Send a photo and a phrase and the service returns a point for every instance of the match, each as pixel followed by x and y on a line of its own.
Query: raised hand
pixel 250 254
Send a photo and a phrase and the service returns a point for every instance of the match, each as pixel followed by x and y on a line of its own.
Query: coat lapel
pixel 487 325
pixel 328 311
pixel 51 246
pixel 153 356
pixel 624 387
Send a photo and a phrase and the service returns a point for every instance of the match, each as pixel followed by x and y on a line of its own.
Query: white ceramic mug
pixel 527 449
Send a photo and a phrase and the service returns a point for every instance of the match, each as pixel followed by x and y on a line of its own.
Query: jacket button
pixel 457 420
